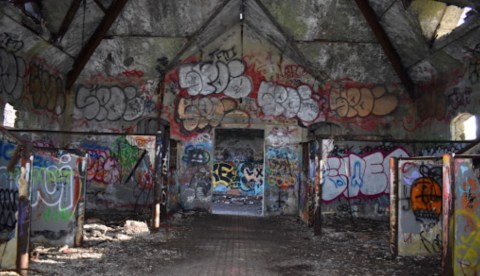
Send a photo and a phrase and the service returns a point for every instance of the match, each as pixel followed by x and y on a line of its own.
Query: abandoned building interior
pixel 288 111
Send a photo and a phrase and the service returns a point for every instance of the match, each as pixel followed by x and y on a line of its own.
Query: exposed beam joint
pixel 92 44
pixel 387 46
pixel 67 20
pixel 101 6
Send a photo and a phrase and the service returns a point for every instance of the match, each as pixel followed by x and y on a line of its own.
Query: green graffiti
pixel 127 154
pixel 55 215
pixel 52 175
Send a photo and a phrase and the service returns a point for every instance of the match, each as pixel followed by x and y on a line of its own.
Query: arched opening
pixel 9 116
pixel 464 127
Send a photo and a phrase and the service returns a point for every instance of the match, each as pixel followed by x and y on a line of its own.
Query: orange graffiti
pixel 426 197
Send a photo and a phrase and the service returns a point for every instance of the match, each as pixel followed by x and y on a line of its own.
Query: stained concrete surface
pixel 205 244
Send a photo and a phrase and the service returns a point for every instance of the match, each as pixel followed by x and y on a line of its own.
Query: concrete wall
pixel 356 177
pixel 420 207
pixel 466 216
pixel 194 172
pixel 120 172
pixel 58 185
pixel 9 198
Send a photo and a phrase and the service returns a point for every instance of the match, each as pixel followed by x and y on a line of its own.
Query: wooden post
pixel 448 219
pixel 81 170
pixel 394 206
pixel 24 214
pixel 157 189
pixel 317 226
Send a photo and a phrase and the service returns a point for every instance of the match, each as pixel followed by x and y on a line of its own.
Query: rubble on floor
pixel 347 246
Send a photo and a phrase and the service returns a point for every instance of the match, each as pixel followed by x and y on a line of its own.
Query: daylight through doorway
pixel 238 172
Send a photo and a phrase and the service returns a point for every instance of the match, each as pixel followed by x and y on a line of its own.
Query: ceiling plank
pixel 387 46
pixel 92 44
pixel 67 20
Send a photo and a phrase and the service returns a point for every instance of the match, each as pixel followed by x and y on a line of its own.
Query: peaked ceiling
pixel 374 41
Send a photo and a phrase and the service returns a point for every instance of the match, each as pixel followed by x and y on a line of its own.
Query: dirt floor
pixel 202 244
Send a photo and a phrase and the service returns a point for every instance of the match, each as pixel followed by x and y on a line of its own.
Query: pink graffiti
pixel 102 167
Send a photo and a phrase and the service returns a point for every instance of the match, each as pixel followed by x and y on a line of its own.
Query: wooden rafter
pixel 92 44
pixel 67 20
pixel 101 6
pixel 387 46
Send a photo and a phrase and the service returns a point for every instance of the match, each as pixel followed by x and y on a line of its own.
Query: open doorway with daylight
pixel 464 127
pixel 238 172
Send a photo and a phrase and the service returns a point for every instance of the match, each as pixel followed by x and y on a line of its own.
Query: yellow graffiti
pixel 466 254
pixel 224 174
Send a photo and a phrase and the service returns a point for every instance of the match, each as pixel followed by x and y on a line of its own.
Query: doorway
pixel 238 177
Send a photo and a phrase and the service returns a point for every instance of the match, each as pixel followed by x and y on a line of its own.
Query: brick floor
pixel 228 245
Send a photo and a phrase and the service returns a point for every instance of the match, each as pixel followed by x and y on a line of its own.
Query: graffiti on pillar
pixel 195 175
pixel 214 78
pixel 466 219
pixel 283 166
pixel 420 207
pixel 196 155
pixel 9 195
pixel 282 172
pixel 57 188
pixel 279 100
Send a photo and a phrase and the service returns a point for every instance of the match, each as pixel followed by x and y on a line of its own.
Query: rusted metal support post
pixel 394 207
pixel 448 218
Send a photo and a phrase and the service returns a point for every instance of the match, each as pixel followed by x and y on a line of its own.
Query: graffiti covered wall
pixel 420 207
pixel 58 197
pixel 120 172
pixel 194 175
pixel 466 217
pixel 9 200
pixel 283 157
pixel 356 177
pixel 238 164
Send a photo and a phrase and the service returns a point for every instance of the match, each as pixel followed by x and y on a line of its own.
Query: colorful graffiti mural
pixel 466 217
pixel 120 171
pixel 195 175
pixel 247 177
pixel 58 188
pixel 420 207
pixel 351 175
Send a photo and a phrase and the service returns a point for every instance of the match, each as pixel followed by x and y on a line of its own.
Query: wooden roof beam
pixel 387 46
pixel 92 44
pixel 67 20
